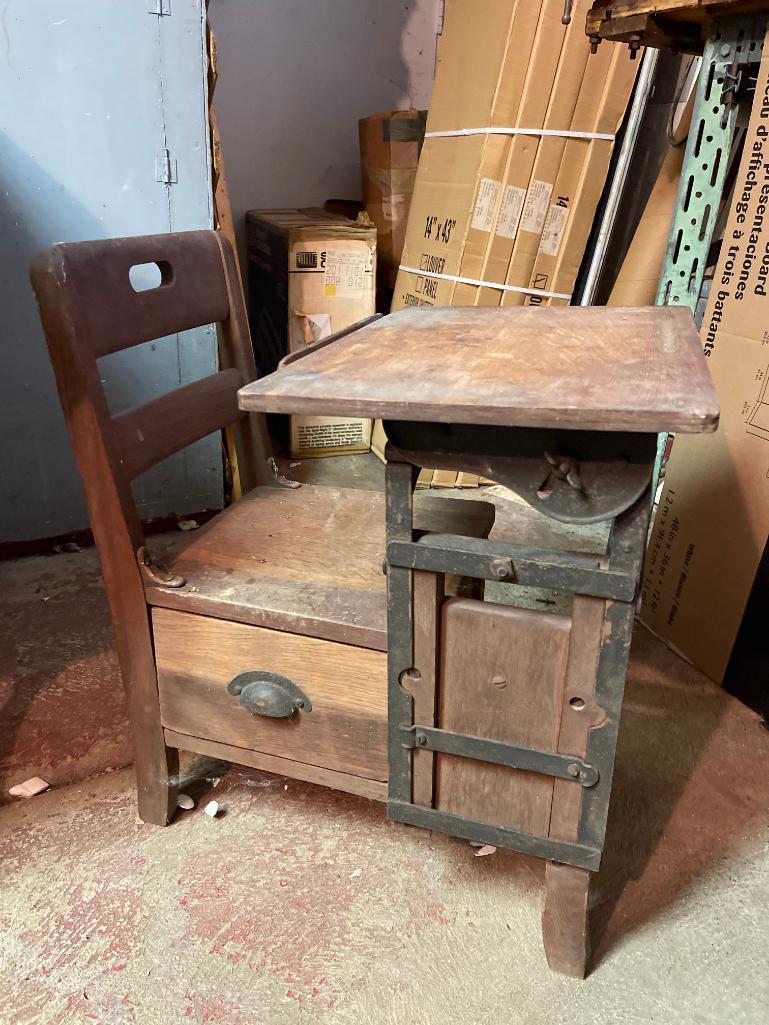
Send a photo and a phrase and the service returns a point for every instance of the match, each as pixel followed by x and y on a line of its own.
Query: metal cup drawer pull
pixel 269 694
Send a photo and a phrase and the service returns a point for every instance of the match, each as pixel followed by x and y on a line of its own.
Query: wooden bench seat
pixel 305 561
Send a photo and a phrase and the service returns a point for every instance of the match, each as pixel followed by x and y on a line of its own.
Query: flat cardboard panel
pixel 520 184
pixel 712 523
pixel 577 191
pixel 390 144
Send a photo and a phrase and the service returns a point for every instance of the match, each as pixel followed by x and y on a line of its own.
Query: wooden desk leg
pixel 565 919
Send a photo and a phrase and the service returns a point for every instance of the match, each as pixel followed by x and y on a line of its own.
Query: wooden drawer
pixel 346 730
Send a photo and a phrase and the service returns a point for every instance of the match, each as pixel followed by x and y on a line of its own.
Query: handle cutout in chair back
pixel 146 277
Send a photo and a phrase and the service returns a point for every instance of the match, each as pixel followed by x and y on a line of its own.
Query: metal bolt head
pixel 501 568
pixel 573 770
pixel 421 740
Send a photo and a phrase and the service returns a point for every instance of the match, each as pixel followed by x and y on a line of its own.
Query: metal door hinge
pixel 160 7
pixel 165 169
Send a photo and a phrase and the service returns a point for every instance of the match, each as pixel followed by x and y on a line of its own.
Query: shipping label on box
pixel 331 286
pixel 713 519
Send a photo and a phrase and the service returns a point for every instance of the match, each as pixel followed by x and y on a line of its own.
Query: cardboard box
pixel 713 519
pixel 505 153
pixel 577 191
pixel 267 234
pixel 483 60
pixel 390 145
pixel 521 251
pixel 639 277
pixel 533 162
pixel 315 273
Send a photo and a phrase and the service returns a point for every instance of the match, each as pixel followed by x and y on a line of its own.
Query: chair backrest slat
pixel 90 307
pixel 111 315
pixel 149 434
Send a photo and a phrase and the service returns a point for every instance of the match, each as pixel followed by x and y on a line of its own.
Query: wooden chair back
pixel 90 308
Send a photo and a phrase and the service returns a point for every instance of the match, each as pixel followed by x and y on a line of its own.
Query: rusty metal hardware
pixel 495 752
pixel 269 694
pixel 281 478
pixel 156 573
pixel 569 475
pixel 566 468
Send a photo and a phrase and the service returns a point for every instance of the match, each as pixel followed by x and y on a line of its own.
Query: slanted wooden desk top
pixel 591 368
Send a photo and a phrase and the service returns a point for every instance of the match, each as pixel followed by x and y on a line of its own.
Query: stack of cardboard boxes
pixel 518 143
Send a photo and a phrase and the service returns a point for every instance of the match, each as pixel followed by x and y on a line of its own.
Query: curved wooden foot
pixel 157 784
pixel 565 919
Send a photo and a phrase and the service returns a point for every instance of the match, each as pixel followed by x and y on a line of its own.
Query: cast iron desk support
pixel 563 406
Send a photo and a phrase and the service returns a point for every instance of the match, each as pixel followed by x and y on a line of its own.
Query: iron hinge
pixel 166 171
pixel 160 7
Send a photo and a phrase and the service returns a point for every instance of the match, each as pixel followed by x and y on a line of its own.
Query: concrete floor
pixel 305 904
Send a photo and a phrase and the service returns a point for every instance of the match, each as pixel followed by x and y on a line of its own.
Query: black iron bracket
pixel 518 564
pixel 583 855
pixel 546 763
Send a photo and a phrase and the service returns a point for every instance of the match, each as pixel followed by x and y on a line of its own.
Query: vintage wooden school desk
pixel 502 721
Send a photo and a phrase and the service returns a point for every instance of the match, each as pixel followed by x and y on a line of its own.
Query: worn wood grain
pixel 565 917
pixel 595 368
pixel 89 308
pixel 673 11
pixel 156 430
pixel 112 316
pixel 501 677
pixel 307 560
pixel 375 790
pixel 346 729
pixel 428 595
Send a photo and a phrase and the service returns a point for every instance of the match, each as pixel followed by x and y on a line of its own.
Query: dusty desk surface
pixel 596 368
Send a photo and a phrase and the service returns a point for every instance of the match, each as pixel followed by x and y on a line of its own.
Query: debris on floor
pixel 29 788
pixel 185 801
pixel 486 849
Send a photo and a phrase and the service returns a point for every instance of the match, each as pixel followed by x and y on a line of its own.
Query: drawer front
pixel 197 656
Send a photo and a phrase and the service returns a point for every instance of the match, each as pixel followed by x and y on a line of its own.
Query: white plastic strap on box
pixel 565 134
pixel 486 284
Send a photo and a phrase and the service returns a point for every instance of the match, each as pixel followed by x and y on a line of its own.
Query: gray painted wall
pixel 92 91
pixel 294 78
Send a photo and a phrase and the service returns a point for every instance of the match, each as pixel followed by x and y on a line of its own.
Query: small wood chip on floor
pixel 486 849
pixel 29 788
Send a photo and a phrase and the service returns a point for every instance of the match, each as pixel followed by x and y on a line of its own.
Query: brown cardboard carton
pixel 638 280
pixel 578 189
pixel 712 523
pixel 331 285
pixel 268 233
pixel 390 144
pixel 506 153
pixel 525 245
pixel 530 174
pixel 482 63
pixel 317 271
